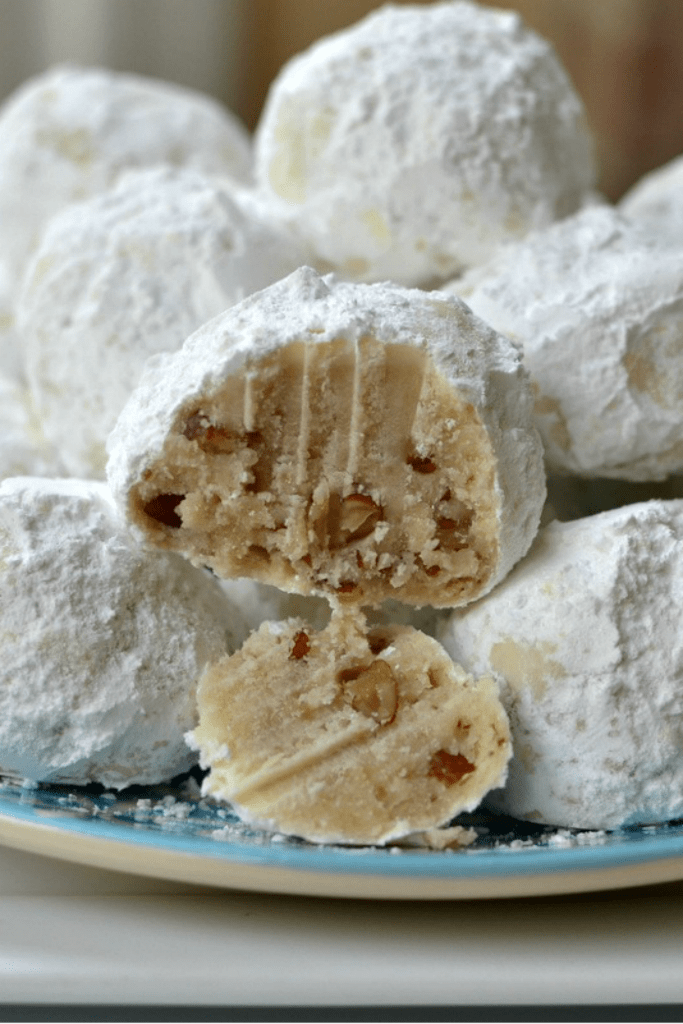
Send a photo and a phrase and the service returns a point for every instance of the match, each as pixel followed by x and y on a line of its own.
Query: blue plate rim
pixel 618 850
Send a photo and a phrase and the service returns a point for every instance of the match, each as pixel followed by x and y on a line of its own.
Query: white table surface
pixel 71 934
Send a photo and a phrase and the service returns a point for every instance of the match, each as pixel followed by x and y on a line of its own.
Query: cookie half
pixel 353 441
pixel 350 734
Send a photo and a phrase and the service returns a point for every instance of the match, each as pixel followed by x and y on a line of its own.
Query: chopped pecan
pixel 377 642
pixel 214 439
pixel 421 464
pixel 346 587
pixel 358 516
pixel 452 529
pixel 449 768
pixel 373 690
pixel 301 646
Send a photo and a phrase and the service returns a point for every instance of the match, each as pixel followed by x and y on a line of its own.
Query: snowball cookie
pixel 102 643
pixel 127 274
pixel 24 450
pixel 655 202
pixel 68 133
pixel 585 636
pixel 353 440
pixel 348 735
pixel 410 145
pixel 598 310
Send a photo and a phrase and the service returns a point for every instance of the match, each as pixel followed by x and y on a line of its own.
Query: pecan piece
pixel 373 691
pixel 358 516
pixel 449 768
pixel 421 464
pixel 301 646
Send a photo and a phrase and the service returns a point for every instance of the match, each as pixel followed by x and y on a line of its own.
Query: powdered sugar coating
pixel 478 366
pixel 69 133
pixel 410 145
pixel 127 274
pixel 598 309
pixel 24 450
pixel 585 638
pixel 101 642
pixel 655 203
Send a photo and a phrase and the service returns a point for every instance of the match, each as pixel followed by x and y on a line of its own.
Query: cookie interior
pixel 351 734
pixel 343 468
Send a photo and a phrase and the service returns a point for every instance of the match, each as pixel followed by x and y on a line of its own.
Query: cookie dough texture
pixel 584 636
pixel 126 275
pixel 597 307
pixel 412 144
pixel 101 643
pixel 356 735
pixel 347 440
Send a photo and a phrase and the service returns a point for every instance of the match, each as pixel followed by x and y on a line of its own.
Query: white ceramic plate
pixel 170 833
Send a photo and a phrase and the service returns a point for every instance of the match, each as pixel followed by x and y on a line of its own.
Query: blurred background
pixel 625 56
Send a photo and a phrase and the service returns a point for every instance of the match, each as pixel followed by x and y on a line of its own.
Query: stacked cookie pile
pixel 356 442
pixel 337 367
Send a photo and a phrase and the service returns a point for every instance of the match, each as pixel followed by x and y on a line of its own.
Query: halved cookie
pixel 353 441
pixel 351 734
